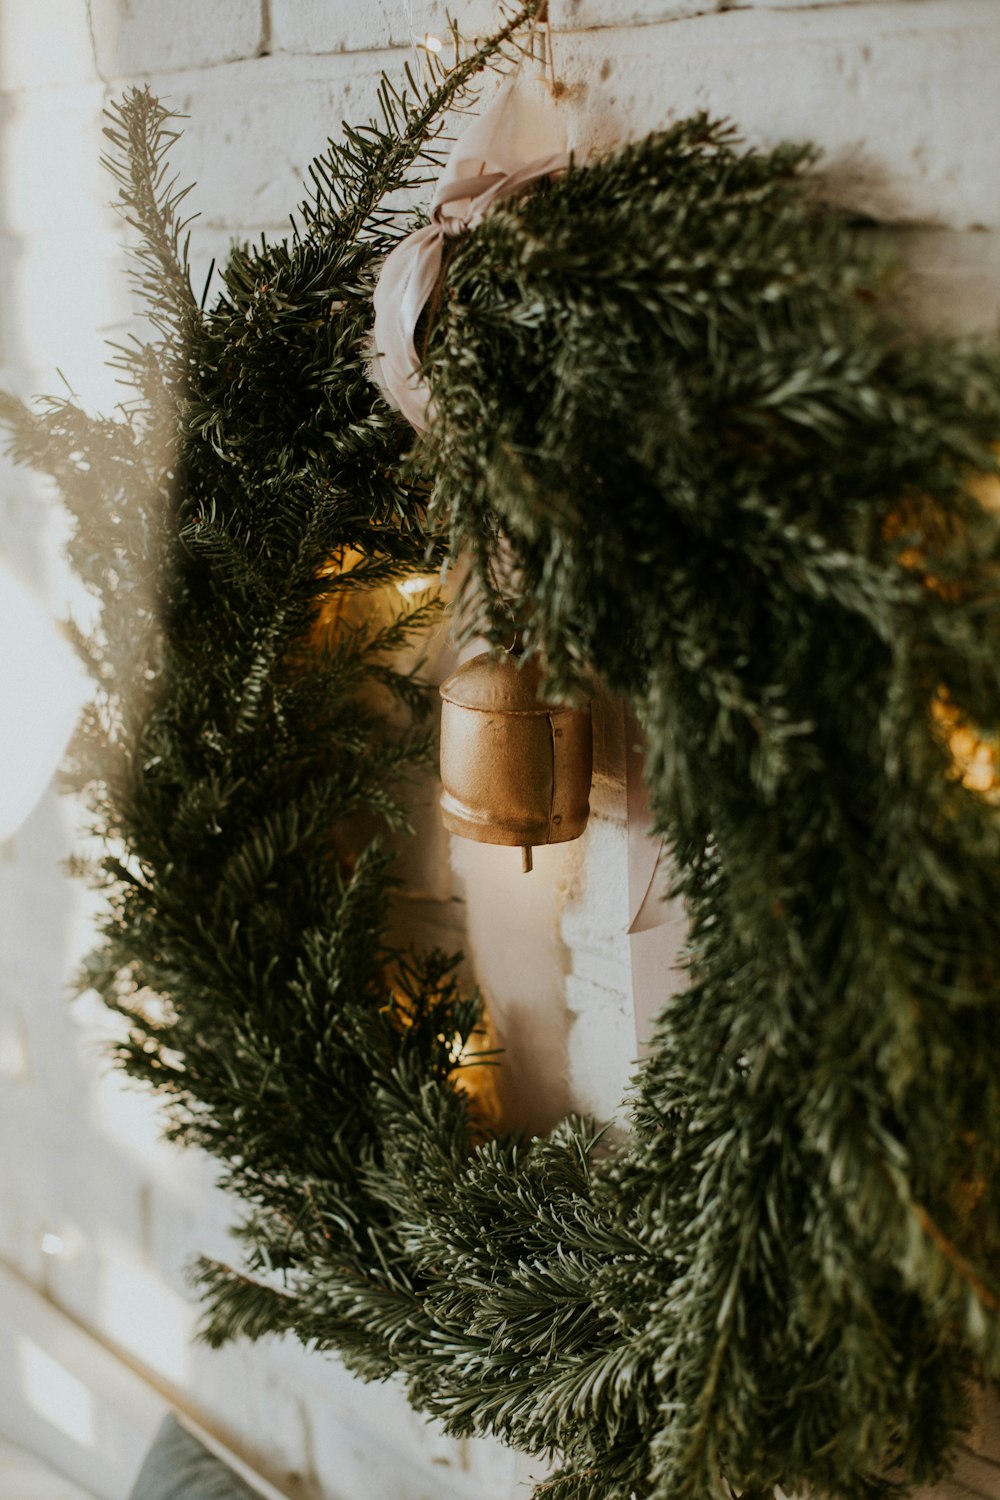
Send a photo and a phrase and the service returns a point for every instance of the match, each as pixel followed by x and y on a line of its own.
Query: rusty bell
pixel 515 769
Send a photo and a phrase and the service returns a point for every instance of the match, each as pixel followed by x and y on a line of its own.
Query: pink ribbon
pixel 517 141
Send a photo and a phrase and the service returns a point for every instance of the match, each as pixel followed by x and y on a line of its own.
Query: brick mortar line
pixel 738 7
pixel 92 34
pixel 901 24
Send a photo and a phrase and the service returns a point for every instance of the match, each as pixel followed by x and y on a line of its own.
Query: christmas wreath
pixel 683 434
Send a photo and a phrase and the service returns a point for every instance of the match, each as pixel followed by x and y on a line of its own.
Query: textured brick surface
pixel 61 183
pixel 952 277
pixel 44 44
pixel 602 1047
pixel 137 38
pixel 595 917
pixel 898 96
pixel 254 127
pixel 811 4
pixel 577 14
pixel 346 26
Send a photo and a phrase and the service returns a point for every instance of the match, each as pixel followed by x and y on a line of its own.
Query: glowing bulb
pixel 53 1244
pixel 419 583
pixel 431 43
pixel 41 693
pixel 975 760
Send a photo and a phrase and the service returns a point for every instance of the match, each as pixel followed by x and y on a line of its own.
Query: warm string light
pixel 974 752
pixel 478 1077
pixel 538 49
pixel 333 608
pixel 417 583
pixel 474 1059
pixel 986 488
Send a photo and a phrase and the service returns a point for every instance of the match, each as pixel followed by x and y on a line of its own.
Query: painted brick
pixel 908 116
pixel 953 278
pixel 264 1415
pixel 801 4
pixel 136 38
pixel 63 316
pixel 44 44
pixel 595 909
pixel 254 127
pixel 61 279
pixel 20 1235
pixel 365 1463
pixel 903 140
pixel 55 137
pixel 16 1066
pixel 513 943
pixel 608 973
pixel 602 1048
pixel 569 15
pixel 344 26
pixel 368 1423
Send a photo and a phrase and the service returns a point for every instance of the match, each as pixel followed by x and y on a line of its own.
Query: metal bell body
pixel 514 768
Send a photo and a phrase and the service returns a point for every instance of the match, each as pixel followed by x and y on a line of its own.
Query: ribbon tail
pixel 521 124
pixel 405 282
pixel 656 926
pixel 494 157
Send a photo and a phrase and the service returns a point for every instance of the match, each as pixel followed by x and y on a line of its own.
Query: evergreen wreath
pixel 683 432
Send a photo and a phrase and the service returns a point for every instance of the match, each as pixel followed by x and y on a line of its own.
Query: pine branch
pixel 684 440
pixel 149 201
pixel 354 179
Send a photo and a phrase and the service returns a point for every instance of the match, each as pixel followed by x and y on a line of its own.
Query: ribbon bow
pixel 494 158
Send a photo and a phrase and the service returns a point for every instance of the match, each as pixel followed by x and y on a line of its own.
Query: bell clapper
pixel 527 863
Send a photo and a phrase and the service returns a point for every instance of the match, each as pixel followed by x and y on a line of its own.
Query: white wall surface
pixel 901 95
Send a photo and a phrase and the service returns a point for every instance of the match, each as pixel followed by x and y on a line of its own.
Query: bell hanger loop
pixel 498 581
pixel 515 648
pixel 539 47
pixel 538 32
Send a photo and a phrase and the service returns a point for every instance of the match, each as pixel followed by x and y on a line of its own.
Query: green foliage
pixel 728 484
pixel 683 436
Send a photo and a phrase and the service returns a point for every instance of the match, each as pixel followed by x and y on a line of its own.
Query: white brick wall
pixel 311 26
pixel 134 38
pixel 901 97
